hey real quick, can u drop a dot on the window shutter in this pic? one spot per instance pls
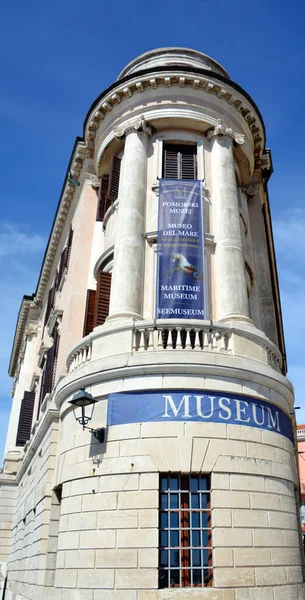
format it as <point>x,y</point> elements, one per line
<point>50,302</point>
<point>101,310</point>
<point>89,314</point>
<point>62,263</point>
<point>179,161</point>
<point>170,168</point>
<point>49,371</point>
<point>188,162</point>
<point>69,246</point>
<point>114,179</point>
<point>102,196</point>
<point>25,418</point>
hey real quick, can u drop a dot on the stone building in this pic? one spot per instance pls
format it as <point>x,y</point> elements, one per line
<point>189,477</point>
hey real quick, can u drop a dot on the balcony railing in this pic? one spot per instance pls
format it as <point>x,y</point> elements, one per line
<point>80,356</point>
<point>198,337</point>
<point>164,337</point>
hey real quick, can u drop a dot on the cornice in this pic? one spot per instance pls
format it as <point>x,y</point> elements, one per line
<point>70,184</point>
<point>224,90</point>
<point>26,304</point>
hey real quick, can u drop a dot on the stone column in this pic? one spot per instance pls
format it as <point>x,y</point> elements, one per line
<point>126,298</point>
<point>230,280</point>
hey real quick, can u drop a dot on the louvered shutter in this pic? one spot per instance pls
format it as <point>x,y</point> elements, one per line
<point>179,161</point>
<point>114,179</point>
<point>188,163</point>
<point>101,310</point>
<point>69,247</point>
<point>50,301</point>
<point>62,263</point>
<point>49,371</point>
<point>170,163</point>
<point>102,196</point>
<point>25,418</point>
<point>89,314</point>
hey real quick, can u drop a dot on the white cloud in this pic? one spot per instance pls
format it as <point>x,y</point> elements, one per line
<point>14,241</point>
<point>289,236</point>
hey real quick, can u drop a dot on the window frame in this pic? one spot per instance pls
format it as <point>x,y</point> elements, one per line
<point>178,496</point>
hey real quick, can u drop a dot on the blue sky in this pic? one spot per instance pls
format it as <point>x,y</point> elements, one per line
<point>57,57</point>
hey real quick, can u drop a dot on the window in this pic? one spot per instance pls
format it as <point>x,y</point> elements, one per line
<point>185,554</point>
<point>179,161</point>
<point>97,303</point>
<point>109,188</point>
<point>49,369</point>
<point>25,418</point>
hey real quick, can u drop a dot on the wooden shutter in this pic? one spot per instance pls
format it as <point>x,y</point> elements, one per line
<point>50,302</point>
<point>49,371</point>
<point>69,247</point>
<point>170,162</point>
<point>89,314</point>
<point>102,196</point>
<point>188,162</point>
<point>179,161</point>
<point>101,310</point>
<point>25,418</point>
<point>62,263</point>
<point>114,179</point>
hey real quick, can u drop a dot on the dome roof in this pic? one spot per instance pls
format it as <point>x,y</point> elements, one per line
<point>180,57</point>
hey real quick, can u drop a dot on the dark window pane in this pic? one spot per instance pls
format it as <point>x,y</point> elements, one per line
<point>174,578</point>
<point>205,538</point>
<point>163,579</point>
<point>207,576</point>
<point>203,483</point>
<point>196,558</point>
<point>174,519</point>
<point>206,555</point>
<point>195,538</point>
<point>174,500</point>
<point>204,500</point>
<point>164,485</point>
<point>194,484</point>
<point>164,558</point>
<point>197,576</point>
<point>204,519</point>
<point>164,539</point>
<point>195,500</point>
<point>164,501</point>
<point>195,519</point>
<point>174,483</point>
<point>174,538</point>
<point>164,520</point>
<point>174,558</point>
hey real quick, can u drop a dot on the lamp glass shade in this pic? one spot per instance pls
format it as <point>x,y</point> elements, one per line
<point>82,398</point>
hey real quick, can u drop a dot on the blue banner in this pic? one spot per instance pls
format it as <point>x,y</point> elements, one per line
<point>180,266</point>
<point>209,407</point>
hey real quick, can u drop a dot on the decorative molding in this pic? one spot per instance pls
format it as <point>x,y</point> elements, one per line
<point>95,182</point>
<point>204,84</point>
<point>155,188</point>
<point>249,190</point>
<point>221,130</point>
<point>55,320</point>
<point>138,125</point>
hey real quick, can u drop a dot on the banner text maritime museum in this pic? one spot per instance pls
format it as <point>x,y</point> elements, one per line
<point>150,450</point>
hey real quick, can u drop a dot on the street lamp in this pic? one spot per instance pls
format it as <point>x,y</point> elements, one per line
<point>80,401</point>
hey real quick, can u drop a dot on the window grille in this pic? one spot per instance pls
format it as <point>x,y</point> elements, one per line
<point>185,548</point>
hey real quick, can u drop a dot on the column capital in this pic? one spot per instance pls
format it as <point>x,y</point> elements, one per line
<point>221,130</point>
<point>139,125</point>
